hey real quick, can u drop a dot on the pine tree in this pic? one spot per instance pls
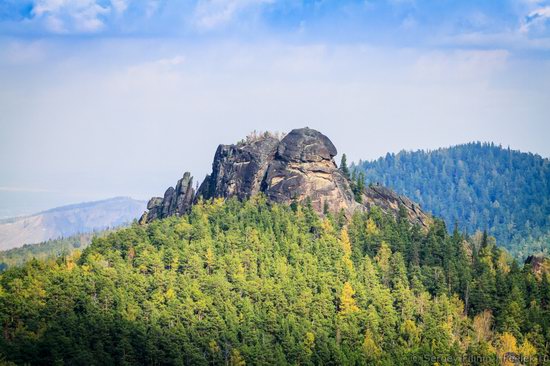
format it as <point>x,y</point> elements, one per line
<point>344,166</point>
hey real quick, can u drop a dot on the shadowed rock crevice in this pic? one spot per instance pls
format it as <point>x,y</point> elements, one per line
<point>300,166</point>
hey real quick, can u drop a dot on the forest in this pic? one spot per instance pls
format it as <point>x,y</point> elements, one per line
<point>478,186</point>
<point>48,249</point>
<point>254,282</point>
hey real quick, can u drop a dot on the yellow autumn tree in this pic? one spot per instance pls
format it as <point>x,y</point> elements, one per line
<point>170,294</point>
<point>236,358</point>
<point>410,332</point>
<point>528,353</point>
<point>347,302</point>
<point>346,247</point>
<point>214,347</point>
<point>383,260</point>
<point>482,325</point>
<point>503,261</point>
<point>309,343</point>
<point>327,227</point>
<point>210,259</point>
<point>372,229</point>
<point>507,347</point>
<point>370,348</point>
<point>345,242</point>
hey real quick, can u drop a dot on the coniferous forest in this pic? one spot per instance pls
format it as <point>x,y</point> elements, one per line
<point>478,186</point>
<point>256,282</point>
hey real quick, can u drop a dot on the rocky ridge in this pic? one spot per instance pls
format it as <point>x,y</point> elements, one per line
<point>297,167</point>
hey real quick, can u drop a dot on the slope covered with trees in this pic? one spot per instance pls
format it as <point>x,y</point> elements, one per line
<point>46,250</point>
<point>262,283</point>
<point>479,186</point>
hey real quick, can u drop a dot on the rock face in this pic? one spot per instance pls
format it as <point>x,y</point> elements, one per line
<point>300,166</point>
<point>239,170</point>
<point>303,167</point>
<point>389,201</point>
<point>176,201</point>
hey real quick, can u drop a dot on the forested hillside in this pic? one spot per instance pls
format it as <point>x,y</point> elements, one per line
<point>48,249</point>
<point>479,186</point>
<point>256,282</point>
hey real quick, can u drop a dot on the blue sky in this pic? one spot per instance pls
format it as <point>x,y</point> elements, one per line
<point>518,23</point>
<point>102,98</point>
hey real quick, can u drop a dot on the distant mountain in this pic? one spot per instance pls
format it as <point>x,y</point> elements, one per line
<point>477,185</point>
<point>69,220</point>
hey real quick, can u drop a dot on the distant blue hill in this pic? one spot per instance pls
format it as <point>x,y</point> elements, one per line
<point>69,220</point>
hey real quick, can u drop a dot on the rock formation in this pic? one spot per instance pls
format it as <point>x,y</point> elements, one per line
<point>239,170</point>
<point>303,167</point>
<point>389,201</point>
<point>300,166</point>
<point>176,202</point>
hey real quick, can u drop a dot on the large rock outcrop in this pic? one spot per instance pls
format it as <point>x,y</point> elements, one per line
<point>304,167</point>
<point>239,170</point>
<point>390,202</point>
<point>298,167</point>
<point>176,202</point>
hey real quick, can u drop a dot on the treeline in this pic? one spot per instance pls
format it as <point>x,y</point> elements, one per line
<point>479,186</point>
<point>254,282</point>
<point>48,249</point>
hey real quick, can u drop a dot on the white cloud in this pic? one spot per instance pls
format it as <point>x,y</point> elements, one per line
<point>174,61</point>
<point>536,19</point>
<point>211,14</point>
<point>67,16</point>
<point>120,6</point>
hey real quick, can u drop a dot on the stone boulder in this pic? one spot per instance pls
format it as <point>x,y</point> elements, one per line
<point>304,168</point>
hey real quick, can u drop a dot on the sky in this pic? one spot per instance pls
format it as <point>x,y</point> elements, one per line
<point>103,98</point>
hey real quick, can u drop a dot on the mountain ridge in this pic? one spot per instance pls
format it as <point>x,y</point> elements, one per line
<point>68,220</point>
<point>298,167</point>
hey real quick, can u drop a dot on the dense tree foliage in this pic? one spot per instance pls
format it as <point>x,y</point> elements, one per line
<point>479,186</point>
<point>259,283</point>
<point>48,249</point>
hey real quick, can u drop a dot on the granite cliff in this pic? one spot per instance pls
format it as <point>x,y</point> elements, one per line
<point>297,167</point>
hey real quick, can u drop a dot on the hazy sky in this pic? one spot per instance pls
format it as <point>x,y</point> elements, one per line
<point>100,98</point>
